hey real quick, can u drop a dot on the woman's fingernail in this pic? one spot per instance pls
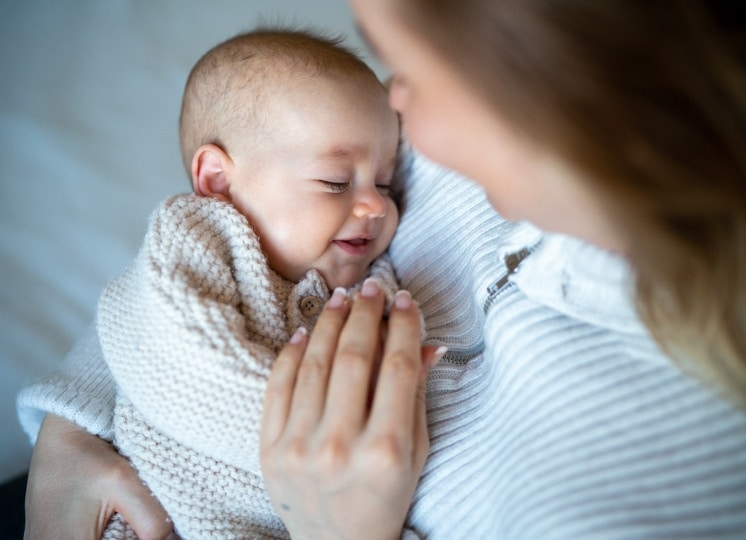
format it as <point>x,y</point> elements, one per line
<point>338,299</point>
<point>403,300</point>
<point>298,335</point>
<point>370,288</point>
<point>438,355</point>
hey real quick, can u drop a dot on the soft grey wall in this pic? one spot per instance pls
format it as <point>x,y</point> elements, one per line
<point>89,101</point>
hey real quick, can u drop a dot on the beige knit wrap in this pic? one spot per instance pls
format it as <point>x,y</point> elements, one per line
<point>190,331</point>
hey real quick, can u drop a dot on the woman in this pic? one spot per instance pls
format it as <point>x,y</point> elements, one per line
<point>555,414</point>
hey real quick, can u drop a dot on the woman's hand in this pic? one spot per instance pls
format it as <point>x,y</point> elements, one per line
<point>336,463</point>
<point>76,483</point>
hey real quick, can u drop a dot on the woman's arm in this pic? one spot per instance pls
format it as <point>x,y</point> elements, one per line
<point>338,462</point>
<point>77,481</point>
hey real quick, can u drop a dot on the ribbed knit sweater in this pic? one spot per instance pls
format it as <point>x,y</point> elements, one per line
<point>554,414</point>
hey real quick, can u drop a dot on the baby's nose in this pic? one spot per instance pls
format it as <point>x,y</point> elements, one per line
<point>369,203</point>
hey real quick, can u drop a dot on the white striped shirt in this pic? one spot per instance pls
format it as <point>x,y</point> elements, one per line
<point>554,414</point>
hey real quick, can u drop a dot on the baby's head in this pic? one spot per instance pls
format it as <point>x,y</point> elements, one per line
<point>296,132</point>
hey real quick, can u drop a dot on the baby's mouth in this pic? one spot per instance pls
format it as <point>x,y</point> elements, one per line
<point>357,241</point>
<point>354,246</point>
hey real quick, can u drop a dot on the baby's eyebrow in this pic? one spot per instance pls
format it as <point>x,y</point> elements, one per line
<point>343,151</point>
<point>338,152</point>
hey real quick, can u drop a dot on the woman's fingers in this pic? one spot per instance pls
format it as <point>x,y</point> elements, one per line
<point>431,355</point>
<point>400,379</point>
<point>329,378</point>
<point>350,379</point>
<point>310,394</point>
<point>280,387</point>
<point>325,453</point>
<point>134,501</point>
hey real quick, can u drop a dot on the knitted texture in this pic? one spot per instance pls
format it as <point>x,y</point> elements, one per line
<point>81,392</point>
<point>190,331</point>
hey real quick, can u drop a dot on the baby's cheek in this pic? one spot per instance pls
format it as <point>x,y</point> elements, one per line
<point>391,221</point>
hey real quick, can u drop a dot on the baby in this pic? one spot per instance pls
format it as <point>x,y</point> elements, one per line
<point>291,147</point>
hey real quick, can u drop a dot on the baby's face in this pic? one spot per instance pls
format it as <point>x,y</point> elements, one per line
<point>316,188</point>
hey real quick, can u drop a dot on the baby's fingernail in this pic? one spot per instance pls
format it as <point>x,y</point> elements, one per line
<point>438,355</point>
<point>298,335</point>
<point>339,297</point>
<point>370,288</point>
<point>403,300</point>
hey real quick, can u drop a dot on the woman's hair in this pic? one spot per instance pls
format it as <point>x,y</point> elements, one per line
<point>648,99</point>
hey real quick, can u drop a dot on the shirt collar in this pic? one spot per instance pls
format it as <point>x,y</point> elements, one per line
<point>581,281</point>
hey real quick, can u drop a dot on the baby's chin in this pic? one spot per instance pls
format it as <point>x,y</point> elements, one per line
<point>344,283</point>
<point>343,279</point>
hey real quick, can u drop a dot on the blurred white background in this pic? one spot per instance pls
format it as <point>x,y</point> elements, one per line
<point>89,104</point>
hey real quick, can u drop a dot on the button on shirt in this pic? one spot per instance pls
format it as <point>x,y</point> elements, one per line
<point>310,305</point>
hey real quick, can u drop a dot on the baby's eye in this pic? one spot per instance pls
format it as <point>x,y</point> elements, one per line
<point>335,187</point>
<point>383,189</point>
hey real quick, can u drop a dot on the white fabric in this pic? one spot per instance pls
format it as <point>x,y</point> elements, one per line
<point>570,423</point>
<point>553,415</point>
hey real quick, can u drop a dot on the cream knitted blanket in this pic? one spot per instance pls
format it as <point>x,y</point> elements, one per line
<point>190,331</point>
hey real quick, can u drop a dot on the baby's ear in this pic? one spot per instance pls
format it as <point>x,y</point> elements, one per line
<point>211,168</point>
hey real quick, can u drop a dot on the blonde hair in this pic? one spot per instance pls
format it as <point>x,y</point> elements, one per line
<point>649,99</point>
<point>227,88</point>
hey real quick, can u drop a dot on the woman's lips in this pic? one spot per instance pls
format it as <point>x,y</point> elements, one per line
<point>354,246</point>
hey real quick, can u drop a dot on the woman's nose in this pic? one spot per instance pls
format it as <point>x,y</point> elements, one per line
<point>369,203</point>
